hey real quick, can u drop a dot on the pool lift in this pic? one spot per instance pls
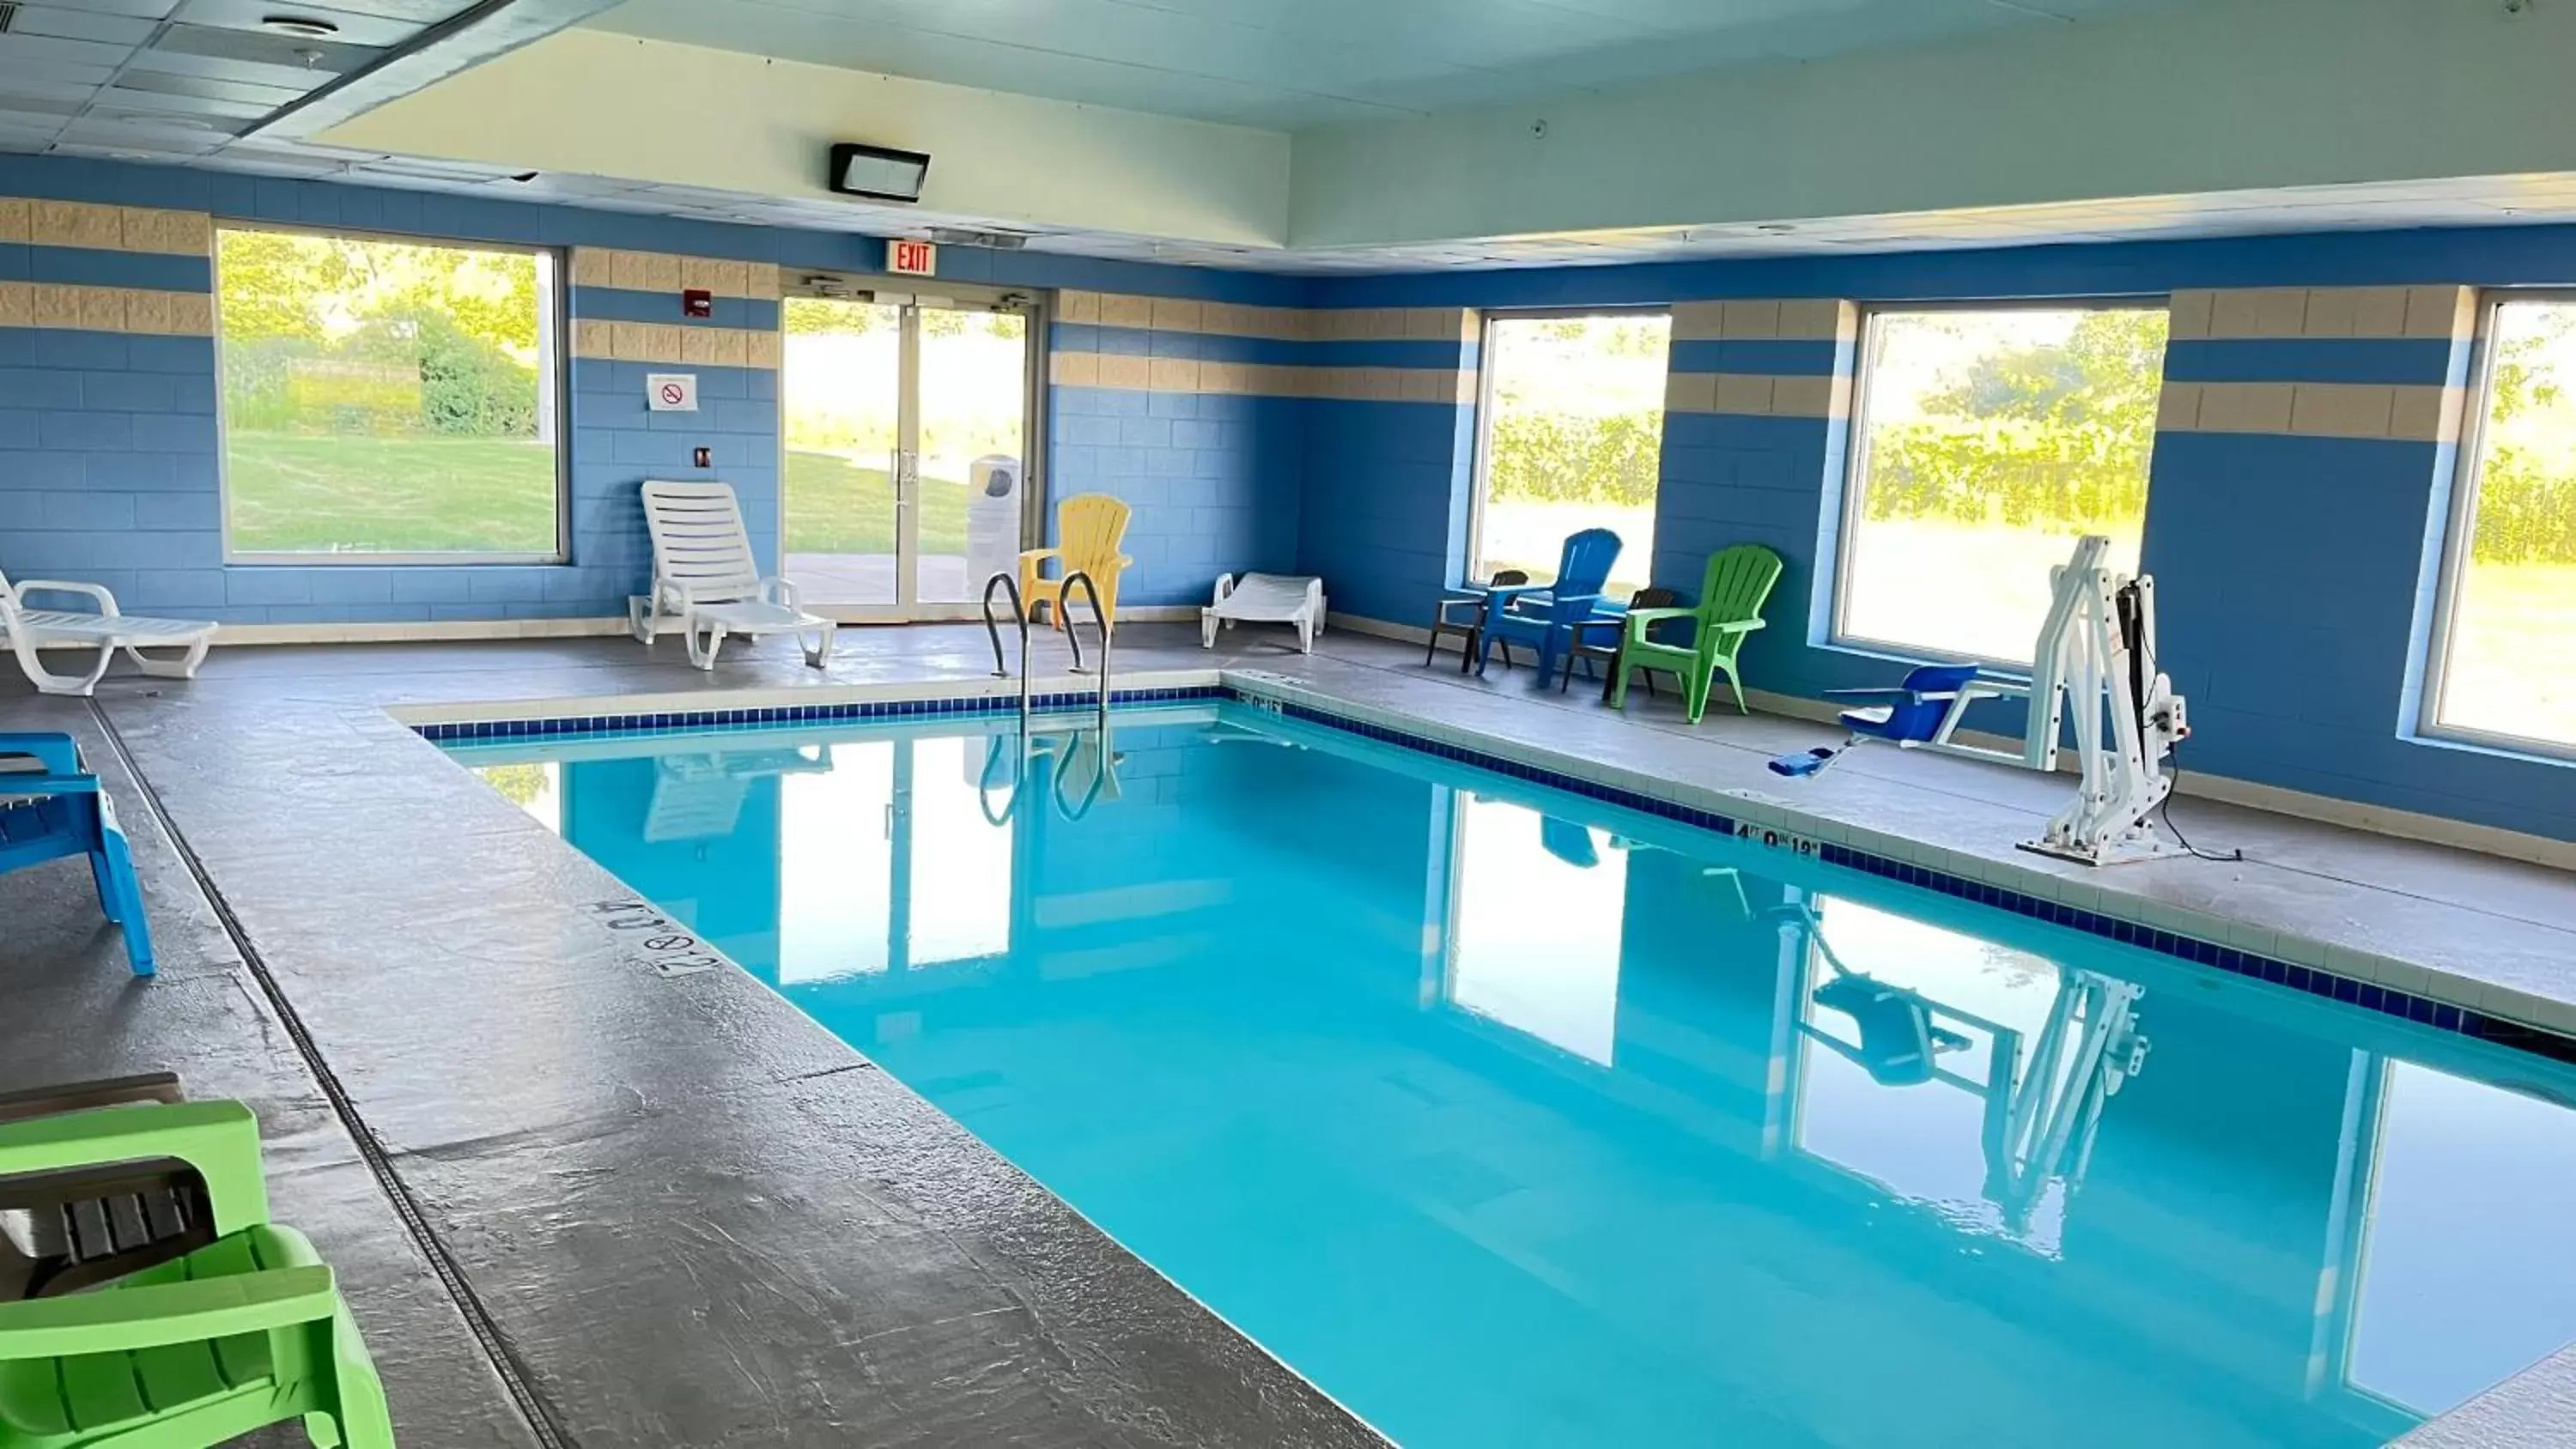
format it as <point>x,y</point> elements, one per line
<point>1084,764</point>
<point>2043,1102</point>
<point>2094,666</point>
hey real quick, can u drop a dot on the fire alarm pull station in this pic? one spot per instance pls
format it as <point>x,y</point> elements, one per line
<point>697,302</point>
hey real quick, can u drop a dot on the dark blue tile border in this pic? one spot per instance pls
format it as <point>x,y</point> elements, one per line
<point>2311,980</point>
<point>620,726</point>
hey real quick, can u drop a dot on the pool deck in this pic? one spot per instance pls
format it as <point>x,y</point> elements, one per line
<point>576,1203</point>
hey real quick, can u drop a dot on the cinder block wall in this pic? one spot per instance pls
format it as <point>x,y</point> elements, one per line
<point>2305,454</point>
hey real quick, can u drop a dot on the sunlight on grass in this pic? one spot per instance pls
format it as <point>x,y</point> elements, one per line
<point>840,507</point>
<point>296,494</point>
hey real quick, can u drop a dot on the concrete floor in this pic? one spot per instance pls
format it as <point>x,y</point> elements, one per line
<point>577,1203</point>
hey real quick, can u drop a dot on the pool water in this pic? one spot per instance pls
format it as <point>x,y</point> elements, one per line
<point>1510,1118</point>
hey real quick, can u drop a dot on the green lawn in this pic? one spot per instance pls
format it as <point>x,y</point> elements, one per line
<point>297,494</point>
<point>292,493</point>
<point>836,506</point>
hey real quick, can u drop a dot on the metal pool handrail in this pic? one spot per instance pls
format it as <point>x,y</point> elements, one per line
<point>993,627</point>
<point>1074,635</point>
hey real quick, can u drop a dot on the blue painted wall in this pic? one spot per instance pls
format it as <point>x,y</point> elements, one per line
<point>109,455</point>
<point>2294,572</point>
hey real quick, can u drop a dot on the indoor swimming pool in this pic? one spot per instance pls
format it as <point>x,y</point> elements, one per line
<point>1508,1117</point>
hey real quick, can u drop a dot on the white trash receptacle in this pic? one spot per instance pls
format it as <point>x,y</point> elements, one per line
<point>993,510</point>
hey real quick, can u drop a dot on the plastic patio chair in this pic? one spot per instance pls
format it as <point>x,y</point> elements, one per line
<point>1597,639</point>
<point>27,630</point>
<point>1731,595</point>
<point>1547,616</point>
<point>244,1332</point>
<point>1089,527</point>
<point>1447,617</point>
<point>706,576</point>
<point>58,809</point>
<point>75,1228</point>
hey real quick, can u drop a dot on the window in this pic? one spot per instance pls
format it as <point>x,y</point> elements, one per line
<point>1572,434</point>
<point>2506,666</point>
<point>1988,440</point>
<point>389,400</point>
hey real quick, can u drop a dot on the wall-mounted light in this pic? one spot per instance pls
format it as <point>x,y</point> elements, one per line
<point>880,172</point>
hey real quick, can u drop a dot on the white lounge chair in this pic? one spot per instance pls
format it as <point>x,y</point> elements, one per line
<point>29,630</point>
<point>704,575</point>
<point>1266,599</point>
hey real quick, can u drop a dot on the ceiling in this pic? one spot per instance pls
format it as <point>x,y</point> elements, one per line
<point>1289,64</point>
<point>187,79</point>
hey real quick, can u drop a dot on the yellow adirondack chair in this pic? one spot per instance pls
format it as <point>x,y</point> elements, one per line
<point>1088,528</point>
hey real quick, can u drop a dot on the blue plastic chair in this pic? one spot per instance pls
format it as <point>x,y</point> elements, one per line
<point>59,810</point>
<point>1545,616</point>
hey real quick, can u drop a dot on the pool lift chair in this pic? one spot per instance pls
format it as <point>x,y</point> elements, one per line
<point>2043,1101</point>
<point>2094,667</point>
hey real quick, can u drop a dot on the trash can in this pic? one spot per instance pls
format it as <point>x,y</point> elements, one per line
<point>994,507</point>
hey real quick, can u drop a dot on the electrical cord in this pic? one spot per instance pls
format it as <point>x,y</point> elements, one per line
<point>2165,808</point>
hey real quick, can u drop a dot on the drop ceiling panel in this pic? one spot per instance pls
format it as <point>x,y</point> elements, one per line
<point>61,23</point>
<point>1294,63</point>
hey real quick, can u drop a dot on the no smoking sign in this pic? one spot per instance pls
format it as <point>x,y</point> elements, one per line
<point>671,392</point>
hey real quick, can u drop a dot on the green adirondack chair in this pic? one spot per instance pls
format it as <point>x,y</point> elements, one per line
<point>1731,596</point>
<point>244,1332</point>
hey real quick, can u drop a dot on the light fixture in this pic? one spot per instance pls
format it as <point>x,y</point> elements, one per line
<point>880,172</point>
<point>302,27</point>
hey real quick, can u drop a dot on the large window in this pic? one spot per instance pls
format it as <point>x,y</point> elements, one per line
<point>1573,433</point>
<point>388,400</point>
<point>1988,440</point>
<point>2507,665</point>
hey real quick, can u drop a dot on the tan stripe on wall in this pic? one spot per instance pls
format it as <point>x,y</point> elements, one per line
<point>1283,324</point>
<point>666,272</point>
<point>2415,414</point>
<point>1181,375</point>
<point>137,310</point>
<point>603,340</point>
<point>105,228</point>
<point>2435,311</point>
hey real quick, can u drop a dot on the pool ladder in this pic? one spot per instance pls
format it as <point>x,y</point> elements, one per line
<point>1069,809</point>
<point>1072,634</point>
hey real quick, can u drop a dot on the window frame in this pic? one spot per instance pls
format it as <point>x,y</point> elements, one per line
<point>2459,533</point>
<point>1478,478</point>
<point>1856,452</point>
<point>555,316</point>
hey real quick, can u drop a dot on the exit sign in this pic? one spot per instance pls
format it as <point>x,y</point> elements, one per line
<point>912,258</point>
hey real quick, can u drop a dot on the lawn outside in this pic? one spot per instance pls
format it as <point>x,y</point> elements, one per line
<point>295,493</point>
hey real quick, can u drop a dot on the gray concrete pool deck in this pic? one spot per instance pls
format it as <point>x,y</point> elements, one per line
<point>577,1203</point>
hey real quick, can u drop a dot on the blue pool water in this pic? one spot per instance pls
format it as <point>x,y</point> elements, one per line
<point>1510,1118</point>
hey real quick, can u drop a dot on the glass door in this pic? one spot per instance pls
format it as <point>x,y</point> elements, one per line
<point>906,449</point>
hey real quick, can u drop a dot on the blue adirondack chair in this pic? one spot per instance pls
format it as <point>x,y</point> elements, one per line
<point>58,810</point>
<point>1545,616</point>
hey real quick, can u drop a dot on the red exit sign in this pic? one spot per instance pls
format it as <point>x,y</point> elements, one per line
<point>912,258</point>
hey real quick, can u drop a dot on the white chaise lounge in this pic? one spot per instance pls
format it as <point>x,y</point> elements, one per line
<point>704,575</point>
<point>29,630</point>
<point>1265,599</point>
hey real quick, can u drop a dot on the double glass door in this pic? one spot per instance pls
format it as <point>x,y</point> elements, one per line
<point>907,449</point>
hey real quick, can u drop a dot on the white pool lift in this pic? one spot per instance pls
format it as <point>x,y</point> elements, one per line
<point>2094,667</point>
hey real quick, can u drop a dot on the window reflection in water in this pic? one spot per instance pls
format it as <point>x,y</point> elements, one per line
<point>1537,910</point>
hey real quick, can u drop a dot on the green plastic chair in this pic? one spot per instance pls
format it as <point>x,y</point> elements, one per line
<point>1738,583</point>
<point>244,1332</point>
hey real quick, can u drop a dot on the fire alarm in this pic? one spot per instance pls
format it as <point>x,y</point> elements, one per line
<point>697,302</point>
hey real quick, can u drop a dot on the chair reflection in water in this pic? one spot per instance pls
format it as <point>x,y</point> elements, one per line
<point>700,796</point>
<point>2043,1094</point>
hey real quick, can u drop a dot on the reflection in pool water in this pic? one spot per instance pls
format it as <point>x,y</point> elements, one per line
<point>1513,1120</point>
